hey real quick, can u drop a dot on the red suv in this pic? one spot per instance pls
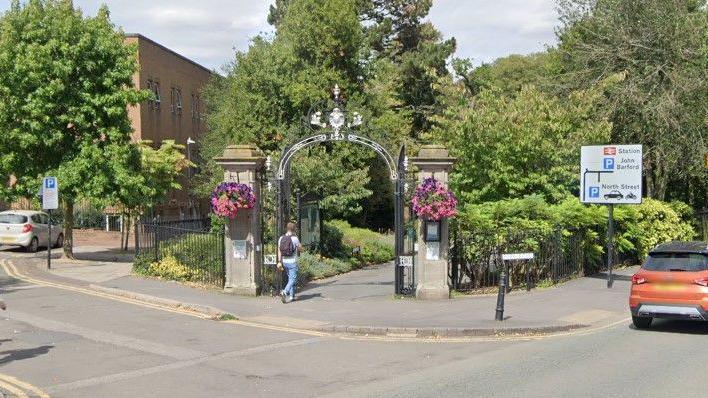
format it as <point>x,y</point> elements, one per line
<point>672,283</point>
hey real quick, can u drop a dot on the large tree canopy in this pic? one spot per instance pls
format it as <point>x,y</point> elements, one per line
<point>318,44</point>
<point>64,91</point>
<point>662,47</point>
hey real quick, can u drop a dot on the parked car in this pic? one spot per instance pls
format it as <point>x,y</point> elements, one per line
<point>614,195</point>
<point>672,283</point>
<point>28,229</point>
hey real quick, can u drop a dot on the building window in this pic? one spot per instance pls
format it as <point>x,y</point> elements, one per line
<point>151,101</point>
<point>176,101</point>
<point>195,107</point>
<point>156,90</point>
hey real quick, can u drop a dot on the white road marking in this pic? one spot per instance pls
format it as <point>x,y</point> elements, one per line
<point>116,377</point>
<point>109,337</point>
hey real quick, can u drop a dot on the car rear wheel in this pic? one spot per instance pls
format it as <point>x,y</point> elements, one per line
<point>60,242</point>
<point>33,246</point>
<point>641,322</point>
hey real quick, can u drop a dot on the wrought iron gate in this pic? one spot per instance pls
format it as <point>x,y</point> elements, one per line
<point>338,125</point>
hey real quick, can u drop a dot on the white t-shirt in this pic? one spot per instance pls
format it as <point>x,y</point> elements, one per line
<point>296,243</point>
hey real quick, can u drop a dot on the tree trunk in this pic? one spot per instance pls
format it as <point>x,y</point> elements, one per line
<point>126,226</point>
<point>68,209</point>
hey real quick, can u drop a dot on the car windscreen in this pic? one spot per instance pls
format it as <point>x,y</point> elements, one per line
<point>690,262</point>
<point>12,219</point>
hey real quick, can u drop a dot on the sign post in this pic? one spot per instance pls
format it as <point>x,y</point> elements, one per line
<point>504,280</point>
<point>610,175</point>
<point>50,201</point>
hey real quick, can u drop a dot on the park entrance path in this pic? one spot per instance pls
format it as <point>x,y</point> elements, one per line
<point>374,282</point>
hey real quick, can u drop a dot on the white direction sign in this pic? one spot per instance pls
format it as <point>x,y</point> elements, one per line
<point>517,256</point>
<point>611,174</point>
<point>50,193</point>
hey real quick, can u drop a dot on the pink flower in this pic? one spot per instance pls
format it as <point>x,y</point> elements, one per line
<point>229,197</point>
<point>433,201</point>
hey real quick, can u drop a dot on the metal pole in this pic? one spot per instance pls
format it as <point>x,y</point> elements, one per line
<point>49,242</point>
<point>398,221</point>
<point>528,276</point>
<point>610,244</point>
<point>499,316</point>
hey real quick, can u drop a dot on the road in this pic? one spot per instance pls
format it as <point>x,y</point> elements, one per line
<point>66,343</point>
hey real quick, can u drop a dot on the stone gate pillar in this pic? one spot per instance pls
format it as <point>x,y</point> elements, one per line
<point>431,259</point>
<point>243,164</point>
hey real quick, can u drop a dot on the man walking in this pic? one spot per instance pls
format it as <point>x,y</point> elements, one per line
<point>288,248</point>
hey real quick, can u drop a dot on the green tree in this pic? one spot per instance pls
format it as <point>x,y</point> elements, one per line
<point>510,146</point>
<point>149,174</point>
<point>397,31</point>
<point>65,86</point>
<point>662,46</point>
<point>509,74</point>
<point>271,87</point>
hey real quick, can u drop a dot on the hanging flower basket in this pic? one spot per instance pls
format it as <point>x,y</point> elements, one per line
<point>229,197</point>
<point>432,201</point>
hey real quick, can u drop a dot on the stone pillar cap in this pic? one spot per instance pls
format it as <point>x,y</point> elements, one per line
<point>240,152</point>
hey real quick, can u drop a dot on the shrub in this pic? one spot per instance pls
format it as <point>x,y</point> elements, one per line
<point>190,257</point>
<point>170,268</point>
<point>314,267</point>
<point>653,222</point>
<point>374,248</point>
<point>638,227</point>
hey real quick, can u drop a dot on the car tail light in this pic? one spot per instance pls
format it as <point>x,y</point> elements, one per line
<point>701,281</point>
<point>27,228</point>
<point>638,279</point>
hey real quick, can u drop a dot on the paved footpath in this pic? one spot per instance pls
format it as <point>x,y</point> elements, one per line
<point>361,302</point>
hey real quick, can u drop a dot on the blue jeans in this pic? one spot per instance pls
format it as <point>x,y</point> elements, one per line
<point>291,269</point>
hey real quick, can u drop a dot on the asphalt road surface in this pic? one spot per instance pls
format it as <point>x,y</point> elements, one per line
<point>64,343</point>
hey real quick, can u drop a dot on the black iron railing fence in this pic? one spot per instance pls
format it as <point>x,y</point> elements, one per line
<point>476,258</point>
<point>188,250</point>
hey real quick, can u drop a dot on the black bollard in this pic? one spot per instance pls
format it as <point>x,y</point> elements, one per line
<point>500,296</point>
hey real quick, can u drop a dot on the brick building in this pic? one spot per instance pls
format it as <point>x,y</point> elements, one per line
<point>176,113</point>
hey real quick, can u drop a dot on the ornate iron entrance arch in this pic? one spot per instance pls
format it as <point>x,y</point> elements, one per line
<point>340,125</point>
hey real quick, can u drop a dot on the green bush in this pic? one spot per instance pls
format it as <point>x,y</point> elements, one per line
<point>190,257</point>
<point>644,226</point>
<point>639,227</point>
<point>170,268</point>
<point>312,266</point>
<point>373,248</point>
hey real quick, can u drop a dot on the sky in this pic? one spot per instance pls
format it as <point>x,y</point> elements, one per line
<point>209,31</point>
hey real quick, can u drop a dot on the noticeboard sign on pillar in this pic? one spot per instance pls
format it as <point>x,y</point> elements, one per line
<point>611,174</point>
<point>50,193</point>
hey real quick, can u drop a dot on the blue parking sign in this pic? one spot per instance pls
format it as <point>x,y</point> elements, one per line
<point>608,163</point>
<point>50,183</point>
<point>594,192</point>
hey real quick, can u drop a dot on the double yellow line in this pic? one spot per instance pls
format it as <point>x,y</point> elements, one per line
<point>12,271</point>
<point>20,389</point>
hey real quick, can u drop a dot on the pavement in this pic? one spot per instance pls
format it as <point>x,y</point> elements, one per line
<point>357,303</point>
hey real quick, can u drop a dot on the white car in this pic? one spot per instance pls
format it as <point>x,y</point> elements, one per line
<point>28,229</point>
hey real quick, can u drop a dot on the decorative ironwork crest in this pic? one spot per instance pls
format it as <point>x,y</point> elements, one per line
<point>337,124</point>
